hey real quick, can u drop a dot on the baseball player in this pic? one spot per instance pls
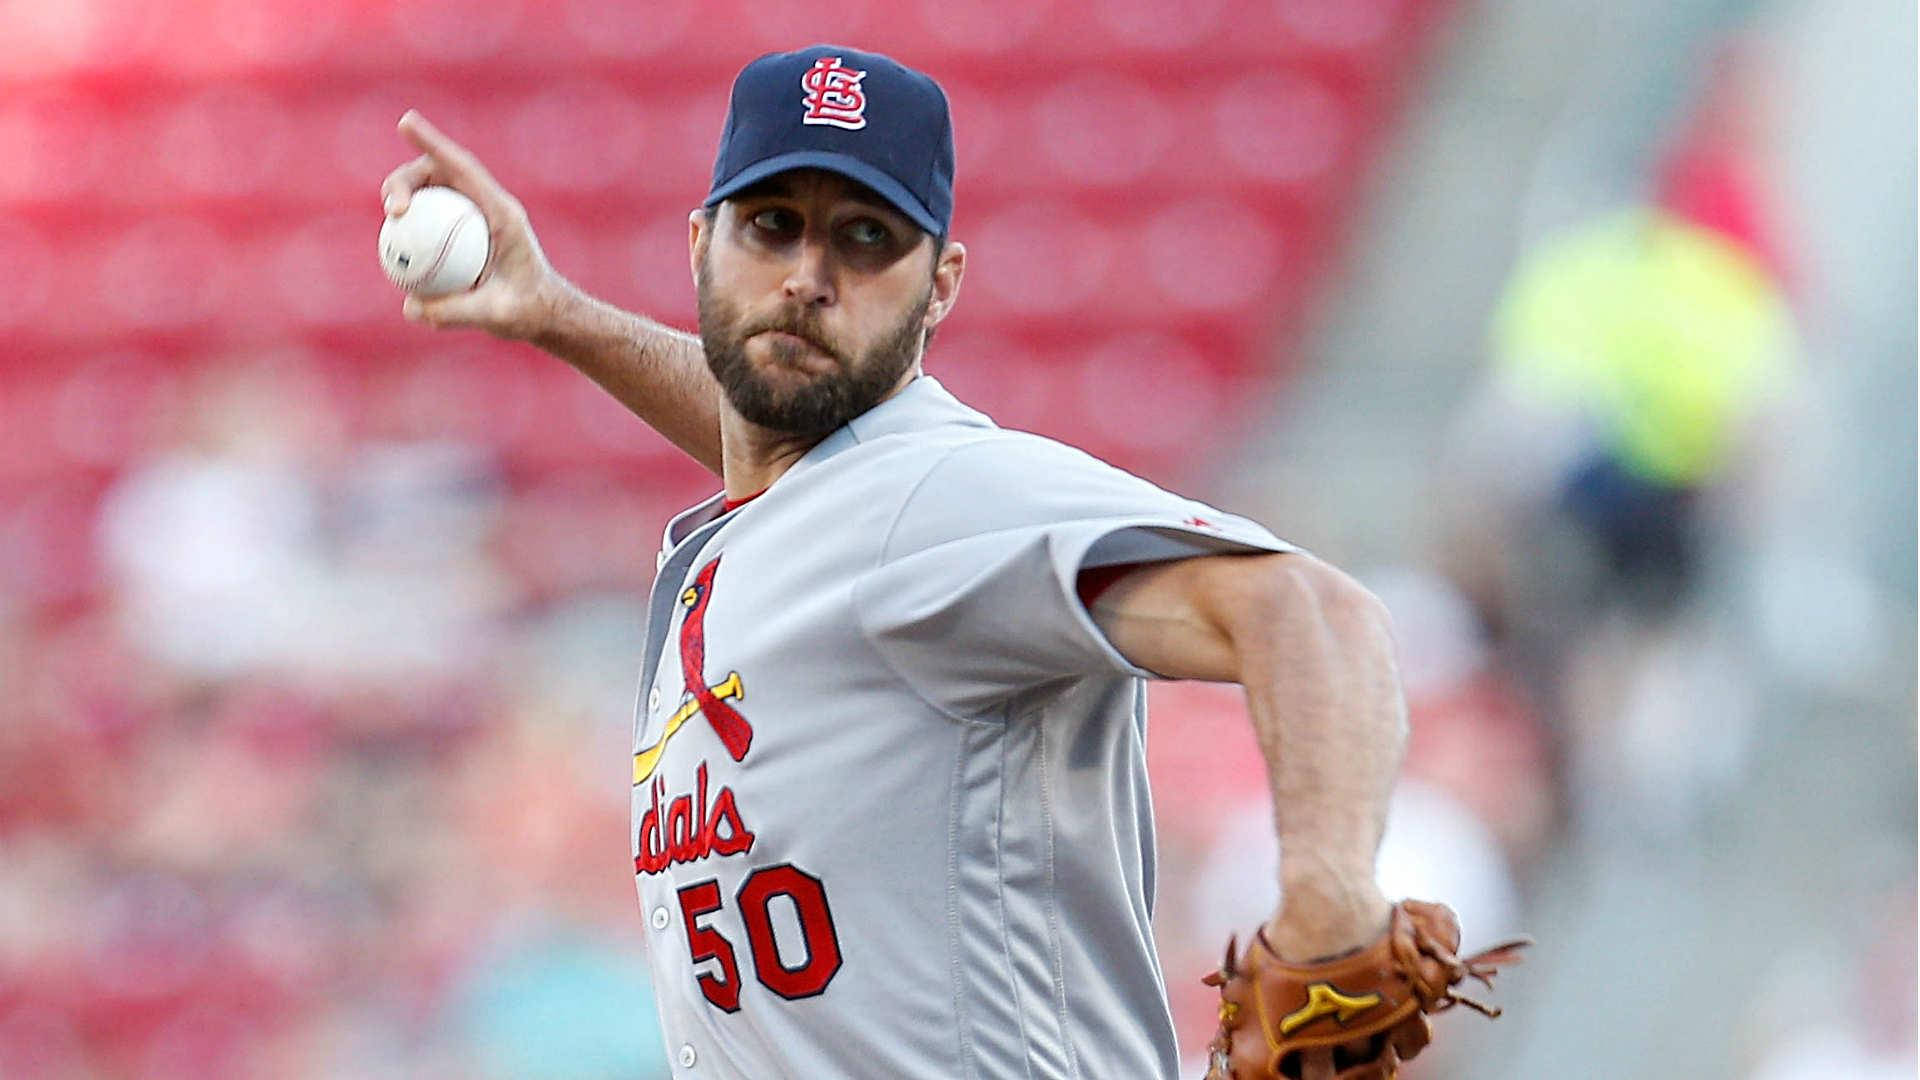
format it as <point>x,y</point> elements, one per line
<point>890,807</point>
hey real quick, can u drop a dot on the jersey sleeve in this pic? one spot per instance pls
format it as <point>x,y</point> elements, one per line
<point>974,600</point>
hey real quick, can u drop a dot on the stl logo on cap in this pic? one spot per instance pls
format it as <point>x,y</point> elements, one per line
<point>834,95</point>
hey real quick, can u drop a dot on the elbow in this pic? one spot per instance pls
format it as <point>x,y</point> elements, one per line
<point>1304,588</point>
<point>1338,632</point>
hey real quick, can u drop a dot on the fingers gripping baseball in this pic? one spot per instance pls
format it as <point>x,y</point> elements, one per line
<point>509,296</point>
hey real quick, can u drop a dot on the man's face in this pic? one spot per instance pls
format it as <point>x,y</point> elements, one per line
<point>814,295</point>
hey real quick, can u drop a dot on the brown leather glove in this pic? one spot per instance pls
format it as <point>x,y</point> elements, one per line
<point>1352,1017</point>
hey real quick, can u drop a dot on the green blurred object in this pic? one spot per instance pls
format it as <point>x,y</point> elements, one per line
<point>1666,336</point>
<point>561,1007</point>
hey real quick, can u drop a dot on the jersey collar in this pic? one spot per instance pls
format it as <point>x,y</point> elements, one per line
<point>920,405</point>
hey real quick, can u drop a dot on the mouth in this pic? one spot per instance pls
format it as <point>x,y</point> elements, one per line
<point>792,350</point>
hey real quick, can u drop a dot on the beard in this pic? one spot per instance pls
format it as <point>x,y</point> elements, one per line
<point>823,402</point>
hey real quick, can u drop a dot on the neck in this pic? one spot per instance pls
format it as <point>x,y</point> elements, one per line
<point>753,457</point>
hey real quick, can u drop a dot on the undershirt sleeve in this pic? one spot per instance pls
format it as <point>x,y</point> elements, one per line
<point>1096,580</point>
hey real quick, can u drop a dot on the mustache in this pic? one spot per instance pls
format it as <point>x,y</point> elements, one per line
<point>798,324</point>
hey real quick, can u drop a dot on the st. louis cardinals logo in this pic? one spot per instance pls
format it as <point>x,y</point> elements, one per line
<point>689,827</point>
<point>834,95</point>
<point>709,701</point>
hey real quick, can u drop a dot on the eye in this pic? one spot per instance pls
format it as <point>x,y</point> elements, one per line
<point>775,219</point>
<point>868,232</point>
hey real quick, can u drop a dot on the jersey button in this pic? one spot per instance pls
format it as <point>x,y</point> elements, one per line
<point>687,1056</point>
<point>653,700</point>
<point>659,918</point>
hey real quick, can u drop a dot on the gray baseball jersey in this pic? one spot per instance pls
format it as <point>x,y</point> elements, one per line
<point>889,793</point>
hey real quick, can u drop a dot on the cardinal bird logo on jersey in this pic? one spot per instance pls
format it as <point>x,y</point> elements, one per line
<point>735,733</point>
<point>688,827</point>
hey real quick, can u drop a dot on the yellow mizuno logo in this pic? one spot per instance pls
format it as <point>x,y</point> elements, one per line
<point>1324,1000</point>
<point>647,760</point>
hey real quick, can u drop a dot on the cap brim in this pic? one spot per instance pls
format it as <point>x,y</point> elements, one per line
<point>850,167</point>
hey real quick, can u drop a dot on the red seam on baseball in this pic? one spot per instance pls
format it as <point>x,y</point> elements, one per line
<point>445,247</point>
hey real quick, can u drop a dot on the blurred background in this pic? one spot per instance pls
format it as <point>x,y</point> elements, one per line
<point>1583,332</point>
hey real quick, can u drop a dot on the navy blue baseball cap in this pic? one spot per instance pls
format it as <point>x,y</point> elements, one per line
<point>859,114</point>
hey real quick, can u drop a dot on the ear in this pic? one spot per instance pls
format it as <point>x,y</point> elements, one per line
<point>699,233</point>
<point>947,272</point>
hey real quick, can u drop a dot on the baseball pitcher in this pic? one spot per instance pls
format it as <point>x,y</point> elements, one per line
<point>890,807</point>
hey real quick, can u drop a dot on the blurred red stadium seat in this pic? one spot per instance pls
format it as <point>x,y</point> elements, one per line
<point>1349,26</point>
<point>606,429</point>
<point>1045,258</point>
<point>28,255</point>
<point>1178,414</point>
<point>109,408</point>
<point>228,141</point>
<point>167,272</point>
<point>630,32</point>
<point>1281,127</point>
<point>322,272</point>
<point>54,147</point>
<point>647,262</point>
<point>443,31</point>
<point>270,34</point>
<point>773,27</point>
<point>1153,26</point>
<point>1101,129</point>
<point>981,26</point>
<point>982,136</point>
<point>39,1040</point>
<point>677,165</point>
<point>1209,254</point>
<point>577,135</point>
<point>473,392</point>
<point>48,40</point>
<point>46,541</point>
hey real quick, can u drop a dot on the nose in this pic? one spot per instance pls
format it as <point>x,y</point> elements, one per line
<point>810,276</point>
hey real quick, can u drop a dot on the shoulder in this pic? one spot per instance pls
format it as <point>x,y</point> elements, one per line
<point>1037,474</point>
<point>926,434</point>
<point>999,481</point>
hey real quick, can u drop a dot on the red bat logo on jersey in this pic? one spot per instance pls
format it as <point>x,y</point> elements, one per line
<point>834,95</point>
<point>735,733</point>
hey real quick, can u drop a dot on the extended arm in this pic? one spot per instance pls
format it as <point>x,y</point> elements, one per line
<point>656,371</point>
<point>1313,651</point>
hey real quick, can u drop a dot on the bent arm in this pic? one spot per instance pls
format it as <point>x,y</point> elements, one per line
<point>1314,652</point>
<point>659,373</point>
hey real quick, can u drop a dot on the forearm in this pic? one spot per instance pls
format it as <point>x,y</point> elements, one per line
<point>1315,655</point>
<point>1316,659</point>
<point>657,372</point>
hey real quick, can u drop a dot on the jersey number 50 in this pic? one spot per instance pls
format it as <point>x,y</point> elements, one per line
<point>755,901</point>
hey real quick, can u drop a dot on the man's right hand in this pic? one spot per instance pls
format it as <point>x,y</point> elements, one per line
<point>518,289</point>
<point>657,372</point>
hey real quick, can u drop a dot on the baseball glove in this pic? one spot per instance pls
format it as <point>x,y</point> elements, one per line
<point>1353,1017</point>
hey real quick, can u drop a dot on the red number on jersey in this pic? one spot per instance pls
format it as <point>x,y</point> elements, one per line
<point>809,897</point>
<point>703,898</point>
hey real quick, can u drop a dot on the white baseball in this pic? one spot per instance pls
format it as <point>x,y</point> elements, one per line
<point>438,246</point>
